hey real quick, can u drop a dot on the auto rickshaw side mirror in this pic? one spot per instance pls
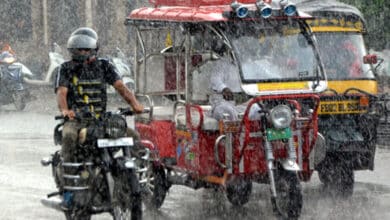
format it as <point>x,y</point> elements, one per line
<point>370,59</point>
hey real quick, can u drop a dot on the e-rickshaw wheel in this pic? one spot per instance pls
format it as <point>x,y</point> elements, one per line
<point>157,189</point>
<point>337,177</point>
<point>238,191</point>
<point>288,202</point>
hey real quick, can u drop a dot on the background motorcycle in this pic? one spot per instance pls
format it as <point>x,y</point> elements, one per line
<point>103,178</point>
<point>124,67</point>
<point>12,88</point>
<point>57,58</point>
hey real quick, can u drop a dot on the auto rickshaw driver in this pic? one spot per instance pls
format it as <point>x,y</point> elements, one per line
<point>226,96</point>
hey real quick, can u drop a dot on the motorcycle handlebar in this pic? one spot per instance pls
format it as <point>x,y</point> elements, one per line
<point>127,111</point>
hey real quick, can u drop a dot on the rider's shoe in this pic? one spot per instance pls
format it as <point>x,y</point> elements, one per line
<point>67,199</point>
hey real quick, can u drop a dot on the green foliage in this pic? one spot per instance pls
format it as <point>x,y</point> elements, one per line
<point>377,15</point>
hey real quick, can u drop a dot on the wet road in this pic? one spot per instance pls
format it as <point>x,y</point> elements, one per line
<point>26,137</point>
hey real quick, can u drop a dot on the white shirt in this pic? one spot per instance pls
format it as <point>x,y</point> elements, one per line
<point>223,73</point>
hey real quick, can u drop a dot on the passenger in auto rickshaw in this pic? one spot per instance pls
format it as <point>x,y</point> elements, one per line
<point>346,64</point>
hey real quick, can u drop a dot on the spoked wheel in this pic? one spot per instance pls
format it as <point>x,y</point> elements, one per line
<point>155,188</point>
<point>288,202</point>
<point>238,191</point>
<point>19,101</point>
<point>127,198</point>
<point>337,177</point>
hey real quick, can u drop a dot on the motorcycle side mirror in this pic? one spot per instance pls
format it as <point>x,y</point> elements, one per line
<point>370,59</point>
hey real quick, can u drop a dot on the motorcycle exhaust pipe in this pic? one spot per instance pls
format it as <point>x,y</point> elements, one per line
<point>54,203</point>
<point>46,161</point>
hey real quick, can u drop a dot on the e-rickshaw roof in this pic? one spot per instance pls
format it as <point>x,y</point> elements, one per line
<point>326,8</point>
<point>191,11</point>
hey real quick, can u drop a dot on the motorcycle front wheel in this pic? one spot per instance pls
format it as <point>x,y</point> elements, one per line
<point>127,197</point>
<point>73,215</point>
<point>156,188</point>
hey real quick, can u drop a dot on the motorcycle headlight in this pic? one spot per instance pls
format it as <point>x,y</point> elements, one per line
<point>115,126</point>
<point>281,116</point>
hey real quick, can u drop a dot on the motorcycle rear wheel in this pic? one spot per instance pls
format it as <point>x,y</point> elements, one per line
<point>127,197</point>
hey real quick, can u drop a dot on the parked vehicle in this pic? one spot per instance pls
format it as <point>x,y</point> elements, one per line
<point>56,58</point>
<point>104,177</point>
<point>125,68</point>
<point>350,108</point>
<point>12,87</point>
<point>279,146</point>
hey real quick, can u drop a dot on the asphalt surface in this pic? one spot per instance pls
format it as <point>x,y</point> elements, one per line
<point>26,137</point>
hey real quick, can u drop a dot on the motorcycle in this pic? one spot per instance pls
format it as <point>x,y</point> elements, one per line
<point>12,87</point>
<point>124,67</point>
<point>104,176</point>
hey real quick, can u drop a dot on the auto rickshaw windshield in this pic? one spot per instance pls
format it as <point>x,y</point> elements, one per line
<point>342,54</point>
<point>275,54</point>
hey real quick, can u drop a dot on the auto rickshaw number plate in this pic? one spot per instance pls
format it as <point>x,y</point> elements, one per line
<point>341,107</point>
<point>278,134</point>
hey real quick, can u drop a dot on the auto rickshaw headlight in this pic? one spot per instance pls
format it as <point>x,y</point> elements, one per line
<point>240,10</point>
<point>281,116</point>
<point>264,9</point>
<point>289,8</point>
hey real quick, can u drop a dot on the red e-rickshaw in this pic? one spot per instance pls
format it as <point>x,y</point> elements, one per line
<point>277,144</point>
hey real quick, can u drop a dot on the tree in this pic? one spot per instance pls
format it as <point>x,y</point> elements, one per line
<point>377,15</point>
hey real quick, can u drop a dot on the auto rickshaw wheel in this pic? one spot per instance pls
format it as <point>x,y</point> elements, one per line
<point>337,177</point>
<point>288,202</point>
<point>156,189</point>
<point>238,191</point>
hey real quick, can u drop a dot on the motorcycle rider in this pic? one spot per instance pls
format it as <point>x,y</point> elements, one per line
<point>81,84</point>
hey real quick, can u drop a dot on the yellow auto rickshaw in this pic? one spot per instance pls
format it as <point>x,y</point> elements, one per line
<point>350,109</point>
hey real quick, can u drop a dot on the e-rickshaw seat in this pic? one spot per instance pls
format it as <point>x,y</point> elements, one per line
<point>167,113</point>
<point>209,123</point>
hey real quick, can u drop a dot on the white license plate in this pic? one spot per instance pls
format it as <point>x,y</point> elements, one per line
<point>125,141</point>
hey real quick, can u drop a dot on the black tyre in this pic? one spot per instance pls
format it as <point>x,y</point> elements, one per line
<point>288,202</point>
<point>155,189</point>
<point>127,197</point>
<point>337,177</point>
<point>238,191</point>
<point>75,215</point>
<point>19,101</point>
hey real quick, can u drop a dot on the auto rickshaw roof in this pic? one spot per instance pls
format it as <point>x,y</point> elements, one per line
<point>195,3</point>
<point>194,11</point>
<point>323,8</point>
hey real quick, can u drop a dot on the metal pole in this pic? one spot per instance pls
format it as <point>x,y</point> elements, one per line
<point>88,13</point>
<point>45,24</point>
